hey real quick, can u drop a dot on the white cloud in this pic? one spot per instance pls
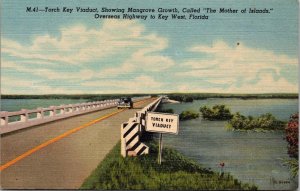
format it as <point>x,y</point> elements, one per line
<point>47,73</point>
<point>144,58</point>
<point>19,85</point>
<point>226,69</point>
<point>241,68</point>
<point>142,83</point>
<point>15,82</point>
<point>78,46</point>
<point>267,84</point>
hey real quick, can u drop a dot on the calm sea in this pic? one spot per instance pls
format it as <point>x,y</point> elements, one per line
<point>18,104</point>
<point>253,157</point>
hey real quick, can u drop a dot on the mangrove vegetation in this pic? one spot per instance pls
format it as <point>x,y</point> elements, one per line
<point>238,121</point>
<point>217,112</point>
<point>265,122</point>
<point>189,97</point>
<point>187,115</point>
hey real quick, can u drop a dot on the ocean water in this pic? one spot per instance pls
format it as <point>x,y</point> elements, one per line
<point>252,157</point>
<point>18,104</point>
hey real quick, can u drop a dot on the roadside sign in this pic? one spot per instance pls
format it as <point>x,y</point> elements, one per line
<point>162,122</point>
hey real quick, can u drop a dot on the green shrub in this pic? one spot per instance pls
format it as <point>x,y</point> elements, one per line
<point>217,112</point>
<point>182,98</point>
<point>186,115</point>
<point>293,165</point>
<point>188,99</point>
<point>265,121</point>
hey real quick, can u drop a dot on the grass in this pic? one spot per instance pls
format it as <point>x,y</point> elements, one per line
<point>293,164</point>
<point>143,173</point>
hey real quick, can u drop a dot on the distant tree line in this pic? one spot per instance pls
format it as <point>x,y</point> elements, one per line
<point>199,96</point>
<point>185,115</point>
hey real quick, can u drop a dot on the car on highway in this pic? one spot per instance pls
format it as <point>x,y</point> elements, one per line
<point>125,102</point>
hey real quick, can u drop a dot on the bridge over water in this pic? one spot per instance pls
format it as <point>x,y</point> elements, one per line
<point>61,153</point>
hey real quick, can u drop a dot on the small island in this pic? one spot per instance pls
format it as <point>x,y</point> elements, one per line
<point>265,122</point>
<point>186,115</point>
<point>217,112</point>
<point>238,121</point>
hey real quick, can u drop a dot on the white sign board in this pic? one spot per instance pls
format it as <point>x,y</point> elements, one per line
<point>162,122</point>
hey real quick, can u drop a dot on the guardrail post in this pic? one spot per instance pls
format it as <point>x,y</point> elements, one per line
<point>4,118</point>
<point>62,110</point>
<point>24,115</point>
<point>132,131</point>
<point>40,113</point>
<point>52,111</point>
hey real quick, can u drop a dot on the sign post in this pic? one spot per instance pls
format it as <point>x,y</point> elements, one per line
<point>160,148</point>
<point>162,123</point>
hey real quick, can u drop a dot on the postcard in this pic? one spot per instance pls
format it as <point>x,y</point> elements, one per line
<point>149,95</point>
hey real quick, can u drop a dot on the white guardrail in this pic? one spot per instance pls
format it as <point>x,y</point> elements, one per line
<point>133,129</point>
<point>27,118</point>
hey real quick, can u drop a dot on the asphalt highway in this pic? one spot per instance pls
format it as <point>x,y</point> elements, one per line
<point>61,154</point>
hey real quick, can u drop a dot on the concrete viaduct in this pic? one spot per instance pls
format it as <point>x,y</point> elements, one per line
<point>58,147</point>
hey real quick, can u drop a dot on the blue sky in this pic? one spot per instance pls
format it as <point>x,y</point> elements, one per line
<point>45,53</point>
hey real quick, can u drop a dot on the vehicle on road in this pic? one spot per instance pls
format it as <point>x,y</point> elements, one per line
<point>125,103</point>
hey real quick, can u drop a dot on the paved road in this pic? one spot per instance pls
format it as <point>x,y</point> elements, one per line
<point>65,161</point>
